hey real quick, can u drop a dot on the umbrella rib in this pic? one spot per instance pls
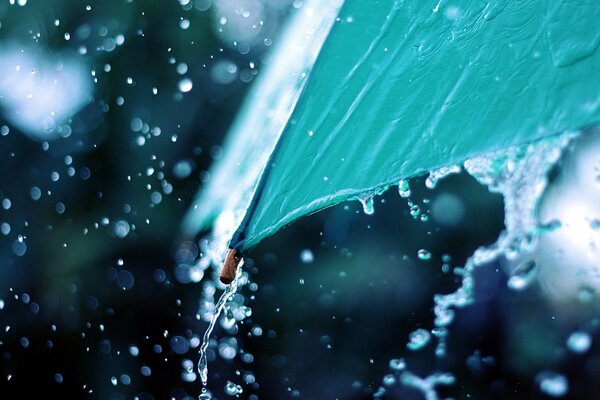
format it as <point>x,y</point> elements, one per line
<point>236,244</point>
<point>239,237</point>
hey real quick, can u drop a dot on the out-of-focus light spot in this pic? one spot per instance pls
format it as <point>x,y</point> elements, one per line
<point>40,91</point>
<point>185,85</point>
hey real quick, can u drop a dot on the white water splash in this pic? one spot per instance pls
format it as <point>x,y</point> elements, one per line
<point>519,174</point>
<point>436,175</point>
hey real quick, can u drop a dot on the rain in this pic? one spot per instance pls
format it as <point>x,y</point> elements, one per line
<point>299,199</point>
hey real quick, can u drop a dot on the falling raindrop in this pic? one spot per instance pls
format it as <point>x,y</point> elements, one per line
<point>553,384</point>
<point>125,279</point>
<point>185,85</point>
<point>182,169</point>
<point>423,254</point>
<point>121,228</point>
<point>397,364</point>
<point>418,339</point>
<point>179,345</point>
<point>415,210</point>
<point>228,348</point>
<point>134,351</point>
<point>306,256</point>
<point>224,72</point>
<point>523,275</point>
<point>579,342</point>
<point>389,380</point>
<point>232,389</point>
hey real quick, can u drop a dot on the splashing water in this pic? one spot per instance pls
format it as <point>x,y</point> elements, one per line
<point>418,339</point>
<point>436,175</point>
<point>427,385</point>
<point>519,174</point>
<point>229,291</point>
<point>523,275</point>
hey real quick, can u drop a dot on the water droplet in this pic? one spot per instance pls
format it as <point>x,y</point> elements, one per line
<point>182,68</point>
<point>389,380</point>
<point>19,247</point>
<point>403,188</point>
<point>185,85</point>
<point>553,384</point>
<point>179,345</point>
<point>125,379</point>
<point>134,351</point>
<point>182,169</point>
<point>367,203</point>
<point>184,24</point>
<point>523,275</point>
<point>579,342</point>
<point>5,228</point>
<point>379,393</point>
<point>232,389</point>
<point>423,254</point>
<point>307,256</point>
<point>121,228</point>
<point>125,279</point>
<point>397,364</point>
<point>224,72</point>
<point>418,339</point>
<point>586,294</point>
<point>228,348</point>
<point>415,210</point>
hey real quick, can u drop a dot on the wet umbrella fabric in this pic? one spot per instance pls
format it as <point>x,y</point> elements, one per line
<point>400,88</point>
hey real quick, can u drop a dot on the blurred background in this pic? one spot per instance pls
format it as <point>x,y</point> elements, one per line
<point>111,113</point>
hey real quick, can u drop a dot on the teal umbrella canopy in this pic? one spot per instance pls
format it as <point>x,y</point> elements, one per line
<point>386,90</point>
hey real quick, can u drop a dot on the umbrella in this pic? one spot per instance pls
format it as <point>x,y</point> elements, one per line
<point>361,95</point>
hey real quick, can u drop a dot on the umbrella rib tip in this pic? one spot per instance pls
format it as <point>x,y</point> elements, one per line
<point>230,266</point>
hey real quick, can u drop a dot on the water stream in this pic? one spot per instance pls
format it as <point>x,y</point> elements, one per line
<point>216,312</point>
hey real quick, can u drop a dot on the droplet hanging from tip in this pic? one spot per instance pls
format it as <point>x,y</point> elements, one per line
<point>367,203</point>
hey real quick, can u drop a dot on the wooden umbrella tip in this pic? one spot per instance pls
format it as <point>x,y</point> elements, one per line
<point>229,270</point>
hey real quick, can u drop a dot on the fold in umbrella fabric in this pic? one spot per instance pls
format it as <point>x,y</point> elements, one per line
<point>400,88</point>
